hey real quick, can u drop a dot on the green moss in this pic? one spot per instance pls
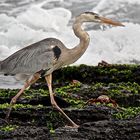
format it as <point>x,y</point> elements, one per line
<point>67,89</point>
<point>29,93</point>
<point>8,128</point>
<point>115,89</point>
<point>7,92</point>
<point>53,119</point>
<point>128,113</point>
<point>18,106</point>
<point>124,89</point>
<point>97,86</point>
<point>89,74</point>
<point>52,131</point>
<point>3,106</point>
<point>68,93</point>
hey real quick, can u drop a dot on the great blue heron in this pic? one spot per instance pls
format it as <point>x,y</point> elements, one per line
<point>43,57</point>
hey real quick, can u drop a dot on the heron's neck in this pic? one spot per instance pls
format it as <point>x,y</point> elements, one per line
<point>83,36</point>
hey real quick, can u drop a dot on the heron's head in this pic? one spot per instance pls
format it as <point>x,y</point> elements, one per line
<point>93,17</point>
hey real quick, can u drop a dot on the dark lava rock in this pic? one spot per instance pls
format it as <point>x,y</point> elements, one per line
<point>44,100</point>
<point>26,133</point>
<point>102,130</point>
<point>95,123</point>
<point>110,130</point>
<point>40,116</point>
<point>90,113</point>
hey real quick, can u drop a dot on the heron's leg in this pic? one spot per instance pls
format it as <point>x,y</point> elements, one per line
<point>53,102</point>
<point>29,82</point>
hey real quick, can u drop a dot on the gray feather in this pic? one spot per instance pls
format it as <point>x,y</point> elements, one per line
<point>32,58</point>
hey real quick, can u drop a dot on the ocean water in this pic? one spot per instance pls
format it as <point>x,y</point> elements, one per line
<point>25,22</point>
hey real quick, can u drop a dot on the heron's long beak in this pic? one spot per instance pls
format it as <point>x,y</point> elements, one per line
<point>110,21</point>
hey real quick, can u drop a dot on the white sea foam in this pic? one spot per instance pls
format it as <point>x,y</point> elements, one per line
<point>114,45</point>
<point>31,26</point>
<point>106,6</point>
<point>47,20</point>
<point>10,82</point>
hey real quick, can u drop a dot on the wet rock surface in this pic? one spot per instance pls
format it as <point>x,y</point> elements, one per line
<point>34,118</point>
<point>95,122</point>
<point>26,133</point>
<point>103,130</point>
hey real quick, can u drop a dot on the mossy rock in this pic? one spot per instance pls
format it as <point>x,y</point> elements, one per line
<point>105,74</point>
<point>119,82</point>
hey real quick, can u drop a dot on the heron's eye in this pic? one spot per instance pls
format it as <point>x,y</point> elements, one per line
<point>96,17</point>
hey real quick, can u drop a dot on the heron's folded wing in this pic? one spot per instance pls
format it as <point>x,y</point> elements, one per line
<point>29,60</point>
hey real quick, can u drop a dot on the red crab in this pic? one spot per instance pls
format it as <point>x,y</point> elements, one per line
<point>104,63</point>
<point>103,99</point>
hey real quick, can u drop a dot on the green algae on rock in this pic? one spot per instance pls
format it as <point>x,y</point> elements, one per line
<point>119,82</point>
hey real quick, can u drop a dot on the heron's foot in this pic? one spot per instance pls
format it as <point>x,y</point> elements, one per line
<point>72,126</point>
<point>67,129</point>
